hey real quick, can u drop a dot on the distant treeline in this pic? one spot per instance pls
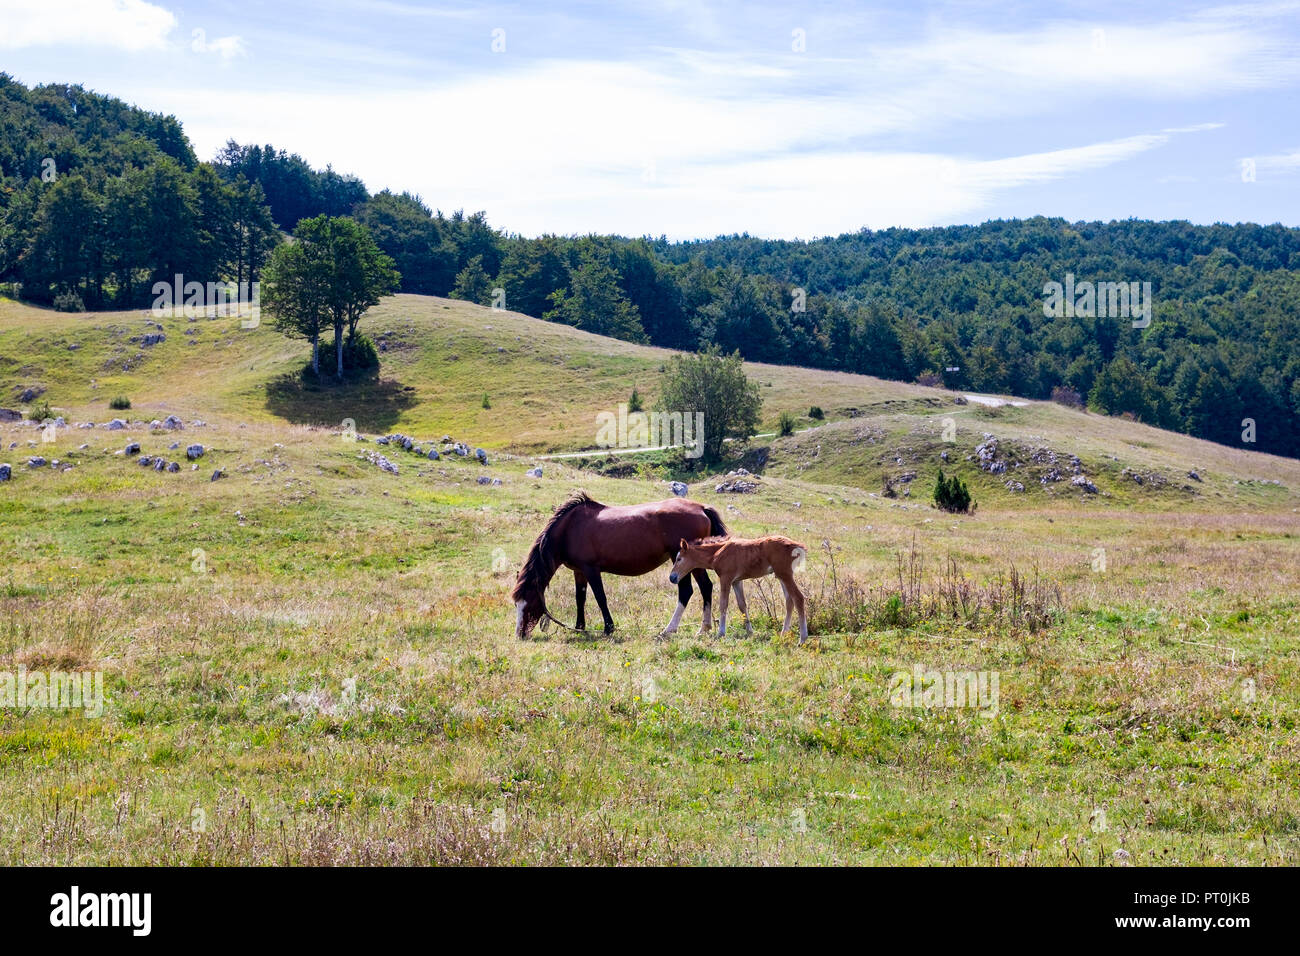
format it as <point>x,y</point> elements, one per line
<point>128,204</point>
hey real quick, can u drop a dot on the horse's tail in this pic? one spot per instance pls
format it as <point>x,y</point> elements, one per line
<point>716,527</point>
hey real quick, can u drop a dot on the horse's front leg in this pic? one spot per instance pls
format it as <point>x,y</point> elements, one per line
<point>598,589</point>
<point>683,598</point>
<point>580,596</point>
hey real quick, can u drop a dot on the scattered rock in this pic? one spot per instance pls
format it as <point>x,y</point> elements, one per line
<point>380,462</point>
<point>679,488</point>
<point>173,466</point>
<point>146,461</point>
<point>1081,481</point>
<point>1015,486</point>
<point>31,394</point>
<point>5,472</point>
<point>736,486</point>
<point>132,448</point>
<point>172,422</point>
<point>481,455</point>
<point>1194,476</point>
<point>534,472</point>
<point>36,461</point>
<point>433,454</point>
<point>194,452</point>
<point>218,473</point>
<point>115,425</point>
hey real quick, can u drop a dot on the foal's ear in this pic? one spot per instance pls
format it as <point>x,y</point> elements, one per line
<point>683,545</point>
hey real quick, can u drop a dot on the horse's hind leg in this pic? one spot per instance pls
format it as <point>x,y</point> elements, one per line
<point>706,595</point>
<point>738,589</point>
<point>683,598</point>
<point>598,589</point>
<point>580,596</point>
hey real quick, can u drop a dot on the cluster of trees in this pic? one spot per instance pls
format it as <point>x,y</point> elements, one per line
<point>963,307</point>
<point>327,278</point>
<point>98,200</point>
<point>292,189</point>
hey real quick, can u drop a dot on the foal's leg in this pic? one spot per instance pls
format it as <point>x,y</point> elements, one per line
<point>683,598</point>
<point>706,595</point>
<point>724,585</point>
<point>797,596</point>
<point>789,607</point>
<point>580,596</point>
<point>598,589</point>
<point>738,589</point>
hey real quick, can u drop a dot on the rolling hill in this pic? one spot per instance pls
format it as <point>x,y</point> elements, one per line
<point>547,382</point>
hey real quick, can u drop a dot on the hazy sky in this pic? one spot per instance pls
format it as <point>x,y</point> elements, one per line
<point>692,118</point>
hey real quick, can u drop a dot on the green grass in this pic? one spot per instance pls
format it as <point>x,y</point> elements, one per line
<point>333,678</point>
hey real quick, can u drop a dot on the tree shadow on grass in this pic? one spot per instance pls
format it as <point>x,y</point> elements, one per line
<point>373,403</point>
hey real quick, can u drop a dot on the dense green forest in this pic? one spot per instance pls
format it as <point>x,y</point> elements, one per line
<point>98,200</point>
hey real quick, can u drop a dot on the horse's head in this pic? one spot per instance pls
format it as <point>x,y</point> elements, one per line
<point>687,560</point>
<point>530,605</point>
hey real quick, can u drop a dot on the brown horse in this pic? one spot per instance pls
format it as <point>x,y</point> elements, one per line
<point>590,538</point>
<point>739,559</point>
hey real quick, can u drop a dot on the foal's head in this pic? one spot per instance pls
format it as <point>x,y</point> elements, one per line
<point>689,557</point>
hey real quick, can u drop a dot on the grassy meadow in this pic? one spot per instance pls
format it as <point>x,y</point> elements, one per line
<point>312,661</point>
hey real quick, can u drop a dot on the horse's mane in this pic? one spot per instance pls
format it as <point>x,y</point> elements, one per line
<point>712,539</point>
<point>539,567</point>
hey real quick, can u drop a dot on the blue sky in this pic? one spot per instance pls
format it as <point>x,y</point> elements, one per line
<point>693,119</point>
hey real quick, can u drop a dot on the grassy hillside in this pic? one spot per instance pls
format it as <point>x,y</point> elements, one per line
<point>312,660</point>
<point>546,383</point>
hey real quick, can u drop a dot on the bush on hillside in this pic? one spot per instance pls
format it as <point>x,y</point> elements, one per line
<point>951,494</point>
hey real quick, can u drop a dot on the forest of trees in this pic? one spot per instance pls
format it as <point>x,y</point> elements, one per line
<point>129,203</point>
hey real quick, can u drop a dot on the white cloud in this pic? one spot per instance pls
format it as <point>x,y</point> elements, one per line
<point>225,47</point>
<point>131,25</point>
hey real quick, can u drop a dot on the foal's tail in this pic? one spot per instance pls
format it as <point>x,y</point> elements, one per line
<point>797,555</point>
<point>716,527</point>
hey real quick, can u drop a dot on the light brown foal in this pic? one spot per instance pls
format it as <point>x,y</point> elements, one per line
<point>738,559</point>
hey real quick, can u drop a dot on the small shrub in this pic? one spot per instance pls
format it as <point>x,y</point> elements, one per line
<point>119,402</point>
<point>359,355</point>
<point>41,412</point>
<point>634,404</point>
<point>786,424</point>
<point>951,494</point>
<point>486,402</point>
<point>931,379</point>
<point>816,413</point>
<point>68,302</point>
<point>1067,396</point>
